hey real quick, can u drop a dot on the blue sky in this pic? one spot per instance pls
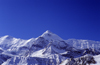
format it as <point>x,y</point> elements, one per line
<point>79,19</point>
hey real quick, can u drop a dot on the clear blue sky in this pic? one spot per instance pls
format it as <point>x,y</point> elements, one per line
<point>79,19</point>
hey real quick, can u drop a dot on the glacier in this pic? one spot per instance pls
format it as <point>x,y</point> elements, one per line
<point>48,49</point>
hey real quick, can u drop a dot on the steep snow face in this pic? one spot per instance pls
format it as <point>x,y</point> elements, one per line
<point>83,44</point>
<point>38,44</point>
<point>41,42</point>
<point>56,47</point>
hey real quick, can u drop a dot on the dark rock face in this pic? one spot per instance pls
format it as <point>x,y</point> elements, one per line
<point>81,61</point>
<point>78,53</point>
<point>91,51</point>
<point>3,58</point>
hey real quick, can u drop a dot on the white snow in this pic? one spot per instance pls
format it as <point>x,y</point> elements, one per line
<point>64,62</point>
<point>97,59</point>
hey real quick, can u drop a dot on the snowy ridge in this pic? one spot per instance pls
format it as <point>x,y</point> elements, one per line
<point>83,44</point>
<point>47,49</point>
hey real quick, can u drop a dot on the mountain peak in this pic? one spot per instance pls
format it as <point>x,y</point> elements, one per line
<point>47,31</point>
<point>48,35</point>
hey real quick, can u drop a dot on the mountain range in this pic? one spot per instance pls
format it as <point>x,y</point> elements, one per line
<point>48,49</point>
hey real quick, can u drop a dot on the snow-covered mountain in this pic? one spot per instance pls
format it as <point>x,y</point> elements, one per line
<point>47,49</point>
